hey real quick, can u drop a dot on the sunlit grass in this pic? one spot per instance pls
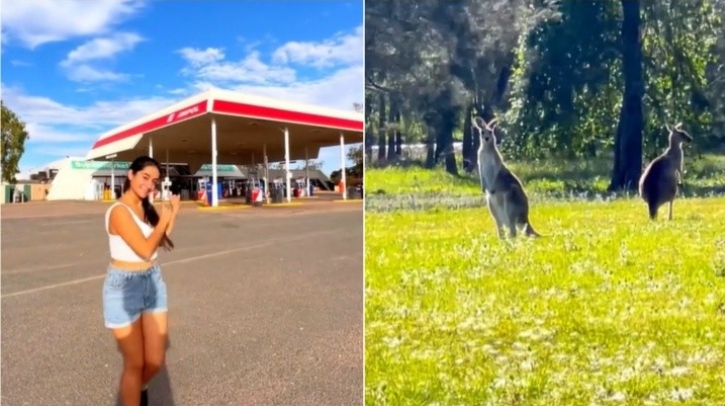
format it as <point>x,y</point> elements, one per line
<point>608,308</point>
<point>703,177</point>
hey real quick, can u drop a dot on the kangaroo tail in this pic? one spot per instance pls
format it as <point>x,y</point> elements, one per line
<point>529,230</point>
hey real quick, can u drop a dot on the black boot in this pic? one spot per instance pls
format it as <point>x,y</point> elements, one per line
<point>145,397</point>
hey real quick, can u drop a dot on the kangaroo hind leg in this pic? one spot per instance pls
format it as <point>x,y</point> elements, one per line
<point>495,210</point>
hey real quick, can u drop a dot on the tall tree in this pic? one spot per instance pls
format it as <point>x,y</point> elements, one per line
<point>355,154</point>
<point>14,136</point>
<point>553,71</point>
<point>628,141</point>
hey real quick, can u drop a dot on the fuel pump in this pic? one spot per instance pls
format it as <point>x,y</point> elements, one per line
<point>265,189</point>
<point>277,190</point>
<point>299,187</point>
<point>231,186</point>
<point>99,190</point>
<point>166,189</point>
<point>251,184</point>
<point>201,193</point>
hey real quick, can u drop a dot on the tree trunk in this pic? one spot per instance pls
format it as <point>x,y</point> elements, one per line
<point>398,135</point>
<point>445,122</point>
<point>628,142</point>
<point>468,150</point>
<point>381,128</point>
<point>430,118</point>
<point>448,124</point>
<point>369,137</point>
<point>393,112</point>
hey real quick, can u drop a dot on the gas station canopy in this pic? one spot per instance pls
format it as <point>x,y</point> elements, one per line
<point>241,128</point>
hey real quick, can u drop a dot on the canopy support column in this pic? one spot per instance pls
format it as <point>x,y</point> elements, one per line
<point>151,154</point>
<point>342,167</point>
<point>113,179</point>
<point>112,157</point>
<point>166,184</point>
<point>214,187</point>
<point>288,175</point>
<point>307,172</point>
<point>266,173</point>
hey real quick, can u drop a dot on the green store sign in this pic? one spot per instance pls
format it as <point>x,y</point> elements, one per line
<point>99,165</point>
<point>219,168</point>
<point>123,166</point>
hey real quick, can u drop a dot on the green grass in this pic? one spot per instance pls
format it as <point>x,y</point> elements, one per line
<point>704,176</point>
<point>608,308</point>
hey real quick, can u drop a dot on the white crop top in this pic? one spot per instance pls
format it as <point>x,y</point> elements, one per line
<point>118,247</point>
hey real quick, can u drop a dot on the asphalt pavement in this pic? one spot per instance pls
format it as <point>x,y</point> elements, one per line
<point>265,307</point>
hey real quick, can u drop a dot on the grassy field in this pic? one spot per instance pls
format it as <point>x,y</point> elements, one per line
<point>608,308</point>
<point>704,177</point>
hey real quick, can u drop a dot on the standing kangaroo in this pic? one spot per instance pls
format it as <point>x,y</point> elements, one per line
<point>505,195</point>
<point>663,176</point>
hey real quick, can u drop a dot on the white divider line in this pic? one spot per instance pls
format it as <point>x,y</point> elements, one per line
<point>178,261</point>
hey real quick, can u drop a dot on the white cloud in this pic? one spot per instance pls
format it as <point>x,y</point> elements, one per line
<point>43,111</point>
<point>103,48</point>
<point>179,91</point>
<point>16,62</point>
<point>57,152</point>
<point>77,63</point>
<point>341,49</point>
<point>56,130</point>
<point>206,65</point>
<point>201,57</point>
<point>87,73</point>
<point>40,133</point>
<point>337,89</point>
<point>33,23</point>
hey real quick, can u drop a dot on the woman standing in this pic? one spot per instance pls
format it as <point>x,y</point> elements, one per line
<point>134,292</point>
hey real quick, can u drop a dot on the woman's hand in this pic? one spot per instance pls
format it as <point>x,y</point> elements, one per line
<point>175,201</point>
<point>167,211</point>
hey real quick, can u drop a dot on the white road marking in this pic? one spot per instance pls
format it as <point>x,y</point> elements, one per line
<point>7,272</point>
<point>63,223</point>
<point>178,261</point>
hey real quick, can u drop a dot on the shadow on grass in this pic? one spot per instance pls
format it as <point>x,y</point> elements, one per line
<point>579,180</point>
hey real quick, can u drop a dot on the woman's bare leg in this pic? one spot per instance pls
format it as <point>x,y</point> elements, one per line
<point>155,333</point>
<point>131,343</point>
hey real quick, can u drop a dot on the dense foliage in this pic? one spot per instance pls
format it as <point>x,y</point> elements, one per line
<point>568,79</point>
<point>14,136</point>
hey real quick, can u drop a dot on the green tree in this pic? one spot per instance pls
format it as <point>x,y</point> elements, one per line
<point>13,143</point>
<point>355,154</point>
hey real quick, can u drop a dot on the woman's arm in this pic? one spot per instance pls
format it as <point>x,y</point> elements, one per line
<point>175,206</point>
<point>123,224</point>
<point>170,227</point>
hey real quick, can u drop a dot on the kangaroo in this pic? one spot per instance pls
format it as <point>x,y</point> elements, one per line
<point>505,195</point>
<point>662,178</point>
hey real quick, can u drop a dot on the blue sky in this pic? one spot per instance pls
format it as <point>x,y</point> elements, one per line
<point>75,69</point>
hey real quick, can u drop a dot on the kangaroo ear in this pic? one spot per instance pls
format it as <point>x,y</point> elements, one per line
<point>493,123</point>
<point>478,122</point>
<point>669,129</point>
<point>678,125</point>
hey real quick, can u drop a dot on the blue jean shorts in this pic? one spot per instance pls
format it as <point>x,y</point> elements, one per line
<point>128,294</point>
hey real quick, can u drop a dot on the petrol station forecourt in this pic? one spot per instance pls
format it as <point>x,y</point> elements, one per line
<point>223,127</point>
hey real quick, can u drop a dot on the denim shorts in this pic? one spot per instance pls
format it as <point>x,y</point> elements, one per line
<point>127,294</point>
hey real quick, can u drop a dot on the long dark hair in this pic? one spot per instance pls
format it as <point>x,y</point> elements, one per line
<point>149,211</point>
